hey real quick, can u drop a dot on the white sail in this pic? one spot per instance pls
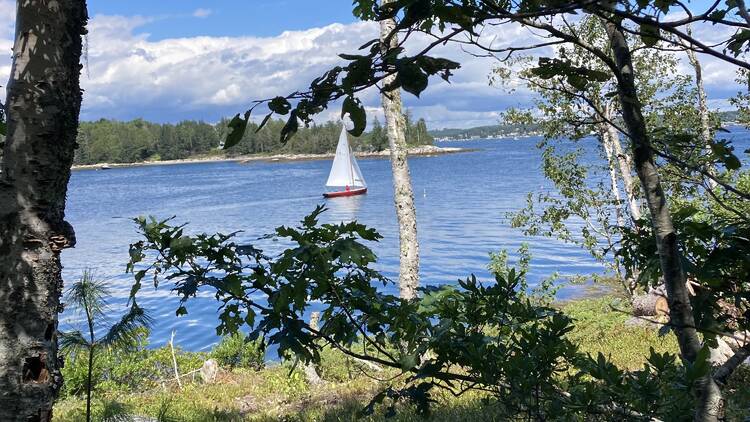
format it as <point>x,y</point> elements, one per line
<point>345,170</point>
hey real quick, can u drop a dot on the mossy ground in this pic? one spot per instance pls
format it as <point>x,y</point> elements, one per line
<point>281,393</point>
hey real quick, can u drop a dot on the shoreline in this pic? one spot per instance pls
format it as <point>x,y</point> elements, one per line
<point>421,151</point>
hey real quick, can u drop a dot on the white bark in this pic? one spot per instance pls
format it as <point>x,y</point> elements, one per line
<point>608,151</point>
<point>402,188</point>
<point>43,105</point>
<point>626,167</point>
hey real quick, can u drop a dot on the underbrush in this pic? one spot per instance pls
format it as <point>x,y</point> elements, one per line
<point>143,383</point>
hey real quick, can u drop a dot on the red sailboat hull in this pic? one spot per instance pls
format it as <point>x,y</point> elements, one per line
<point>350,192</point>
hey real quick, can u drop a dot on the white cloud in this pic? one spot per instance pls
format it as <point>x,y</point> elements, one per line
<point>202,13</point>
<point>130,75</point>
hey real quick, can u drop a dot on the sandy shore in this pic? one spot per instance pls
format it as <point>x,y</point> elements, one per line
<point>426,150</point>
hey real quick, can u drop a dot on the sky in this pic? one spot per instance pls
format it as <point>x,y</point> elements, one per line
<point>171,60</point>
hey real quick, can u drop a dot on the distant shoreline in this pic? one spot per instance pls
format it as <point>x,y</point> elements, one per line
<point>425,150</point>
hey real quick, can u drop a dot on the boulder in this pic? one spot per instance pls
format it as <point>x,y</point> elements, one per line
<point>209,371</point>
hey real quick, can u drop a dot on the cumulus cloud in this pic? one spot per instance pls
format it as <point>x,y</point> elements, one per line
<point>129,75</point>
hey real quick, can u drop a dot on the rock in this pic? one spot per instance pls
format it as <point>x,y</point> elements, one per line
<point>209,370</point>
<point>246,405</point>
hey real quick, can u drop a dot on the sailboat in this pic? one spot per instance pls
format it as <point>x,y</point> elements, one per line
<point>345,174</point>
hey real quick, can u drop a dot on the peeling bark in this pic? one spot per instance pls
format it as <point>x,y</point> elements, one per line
<point>43,104</point>
<point>680,309</point>
<point>625,164</point>
<point>402,188</point>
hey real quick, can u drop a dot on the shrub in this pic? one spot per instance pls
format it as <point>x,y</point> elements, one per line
<point>235,351</point>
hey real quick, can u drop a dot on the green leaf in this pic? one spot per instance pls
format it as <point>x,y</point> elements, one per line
<point>357,114</point>
<point>577,81</point>
<point>408,362</point>
<point>264,122</point>
<point>237,127</point>
<point>700,366</point>
<point>290,128</point>
<point>649,34</point>
<point>279,105</point>
<point>413,80</point>
<point>3,128</point>
<point>435,65</point>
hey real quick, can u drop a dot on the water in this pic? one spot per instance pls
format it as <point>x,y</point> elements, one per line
<point>462,201</point>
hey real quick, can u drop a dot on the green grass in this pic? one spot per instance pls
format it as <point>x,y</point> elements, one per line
<point>280,394</point>
<point>600,326</point>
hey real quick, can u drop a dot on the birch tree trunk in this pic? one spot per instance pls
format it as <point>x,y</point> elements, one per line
<point>402,188</point>
<point>611,160</point>
<point>626,166</point>
<point>703,113</point>
<point>680,309</point>
<point>42,106</point>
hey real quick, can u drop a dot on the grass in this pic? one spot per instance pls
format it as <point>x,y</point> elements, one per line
<point>601,325</point>
<point>280,393</point>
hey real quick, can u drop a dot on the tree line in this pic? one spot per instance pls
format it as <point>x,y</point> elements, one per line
<point>113,141</point>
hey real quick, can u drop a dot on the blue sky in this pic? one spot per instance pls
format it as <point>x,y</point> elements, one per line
<point>228,17</point>
<point>171,60</point>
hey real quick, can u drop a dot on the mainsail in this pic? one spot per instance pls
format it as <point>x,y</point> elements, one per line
<point>345,170</point>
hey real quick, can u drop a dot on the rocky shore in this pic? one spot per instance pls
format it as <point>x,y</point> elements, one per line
<point>425,150</point>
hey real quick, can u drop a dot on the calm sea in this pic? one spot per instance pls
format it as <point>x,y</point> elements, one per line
<point>462,204</point>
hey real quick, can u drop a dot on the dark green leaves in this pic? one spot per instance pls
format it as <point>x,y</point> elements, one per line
<point>436,65</point>
<point>279,105</point>
<point>237,127</point>
<point>649,34</point>
<point>724,152</point>
<point>290,128</point>
<point>412,79</point>
<point>578,77</point>
<point>737,44</point>
<point>357,114</point>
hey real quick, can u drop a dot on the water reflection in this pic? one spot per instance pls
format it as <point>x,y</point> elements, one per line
<point>344,209</point>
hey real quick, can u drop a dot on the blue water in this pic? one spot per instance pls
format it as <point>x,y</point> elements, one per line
<point>462,203</point>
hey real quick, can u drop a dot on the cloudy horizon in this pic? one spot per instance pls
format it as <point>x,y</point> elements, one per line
<point>181,64</point>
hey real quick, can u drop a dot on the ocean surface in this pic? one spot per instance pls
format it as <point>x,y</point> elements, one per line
<point>462,202</point>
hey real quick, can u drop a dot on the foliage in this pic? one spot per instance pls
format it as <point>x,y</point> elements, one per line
<point>586,206</point>
<point>475,336</point>
<point>579,210</point>
<point>131,370</point>
<point>452,20</point>
<point>272,395</point>
<point>499,266</point>
<point>235,351</point>
<point>111,141</point>
<point>715,250</point>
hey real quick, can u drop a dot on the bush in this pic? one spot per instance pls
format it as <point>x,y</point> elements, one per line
<point>236,351</point>
<point>127,370</point>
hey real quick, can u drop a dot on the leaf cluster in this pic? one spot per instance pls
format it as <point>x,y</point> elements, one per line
<point>473,336</point>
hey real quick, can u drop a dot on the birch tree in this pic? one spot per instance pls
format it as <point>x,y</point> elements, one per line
<point>42,109</point>
<point>403,193</point>
<point>703,112</point>
<point>681,313</point>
